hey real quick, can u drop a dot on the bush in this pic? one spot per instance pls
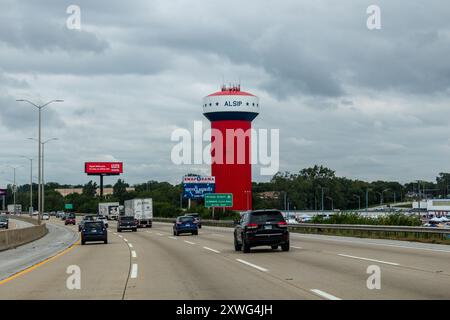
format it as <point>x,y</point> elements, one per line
<point>396,219</point>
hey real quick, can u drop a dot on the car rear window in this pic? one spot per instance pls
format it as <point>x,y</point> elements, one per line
<point>94,225</point>
<point>266,216</point>
<point>3,218</point>
<point>127,218</point>
<point>185,219</point>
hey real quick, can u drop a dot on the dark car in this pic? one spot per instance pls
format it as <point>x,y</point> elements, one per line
<point>85,218</point>
<point>4,222</point>
<point>70,219</point>
<point>196,217</point>
<point>126,223</point>
<point>261,228</point>
<point>94,231</point>
<point>185,224</point>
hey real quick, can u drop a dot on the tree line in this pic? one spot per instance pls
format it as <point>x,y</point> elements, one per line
<point>296,191</point>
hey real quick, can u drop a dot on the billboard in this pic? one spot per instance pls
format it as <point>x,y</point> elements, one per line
<point>2,192</point>
<point>103,168</point>
<point>195,187</point>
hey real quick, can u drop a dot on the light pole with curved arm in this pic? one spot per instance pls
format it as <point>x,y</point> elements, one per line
<point>39,107</point>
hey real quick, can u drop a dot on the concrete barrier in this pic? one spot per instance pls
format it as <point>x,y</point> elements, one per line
<point>16,237</point>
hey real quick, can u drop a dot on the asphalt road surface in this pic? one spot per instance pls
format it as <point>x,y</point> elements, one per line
<point>153,264</point>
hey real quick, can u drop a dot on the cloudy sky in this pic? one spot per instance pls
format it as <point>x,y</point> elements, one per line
<point>370,104</point>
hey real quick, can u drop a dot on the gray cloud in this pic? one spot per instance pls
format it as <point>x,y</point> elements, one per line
<point>369,104</point>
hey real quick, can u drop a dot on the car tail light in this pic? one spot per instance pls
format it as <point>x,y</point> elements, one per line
<point>252,226</point>
<point>282,224</point>
<point>178,222</point>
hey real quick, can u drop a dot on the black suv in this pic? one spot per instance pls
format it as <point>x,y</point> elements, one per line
<point>4,222</point>
<point>126,223</point>
<point>261,228</point>
<point>94,231</point>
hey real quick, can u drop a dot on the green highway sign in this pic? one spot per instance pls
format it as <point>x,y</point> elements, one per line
<point>68,206</point>
<point>218,200</point>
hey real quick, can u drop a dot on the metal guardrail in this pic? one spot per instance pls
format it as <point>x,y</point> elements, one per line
<point>344,227</point>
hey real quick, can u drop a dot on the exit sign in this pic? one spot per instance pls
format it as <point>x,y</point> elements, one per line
<point>218,200</point>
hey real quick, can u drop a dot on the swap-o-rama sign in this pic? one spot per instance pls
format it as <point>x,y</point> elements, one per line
<point>195,187</point>
<point>218,200</point>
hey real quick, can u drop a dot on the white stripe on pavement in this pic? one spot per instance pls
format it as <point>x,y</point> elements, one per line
<point>367,259</point>
<point>252,265</point>
<point>211,249</point>
<point>125,240</point>
<point>130,245</point>
<point>173,238</point>
<point>120,236</point>
<point>296,247</point>
<point>133,254</point>
<point>325,295</point>
<point>189,242</point>
<point>134,271</point>
<point>159,234</point>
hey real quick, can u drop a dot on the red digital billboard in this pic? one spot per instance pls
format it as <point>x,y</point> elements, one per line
<point>103,168</point>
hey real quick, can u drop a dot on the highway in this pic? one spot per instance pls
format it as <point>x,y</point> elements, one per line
<point>153,264</point>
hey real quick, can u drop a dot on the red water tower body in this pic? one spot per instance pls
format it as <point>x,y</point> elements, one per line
<point>231,112</point>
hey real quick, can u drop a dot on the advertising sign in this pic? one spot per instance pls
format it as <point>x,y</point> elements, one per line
<point>195,187</point>
<point>218,200</point>
<point>2,192</point>
<point>68,206</point>
<point>103,168</point>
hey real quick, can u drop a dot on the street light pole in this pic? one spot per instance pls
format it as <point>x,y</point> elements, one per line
<point>332,203</point>
<point>359,201</point>
<point>39,107</point>
<point>31,183</point>
<point>42,209</point>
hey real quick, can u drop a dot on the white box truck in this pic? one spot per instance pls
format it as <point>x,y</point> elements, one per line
<point>141,210</point>
<point>109,209</point>
<point>17,210</point>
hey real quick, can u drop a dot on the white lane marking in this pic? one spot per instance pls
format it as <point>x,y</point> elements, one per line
<point>134,271</point>
<point>325,295</point>
<point>120,236</point>
<point>189,242</point>
<point>218,235</point>
<point>373,243</point>
<point>130,245</point>
<point>115,233</point>
<point>211,249</point>
<point>148,231</point>
<point>367,259</point>
<point>252,265</point>
<point>159,234</point>
<point>296,247</point>
<point>125,240</point>
<point>133,254</point>
<point>173,238</point>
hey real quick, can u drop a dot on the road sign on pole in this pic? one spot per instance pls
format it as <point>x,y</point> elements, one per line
<point>68,206</point>
<point>218,200</point>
